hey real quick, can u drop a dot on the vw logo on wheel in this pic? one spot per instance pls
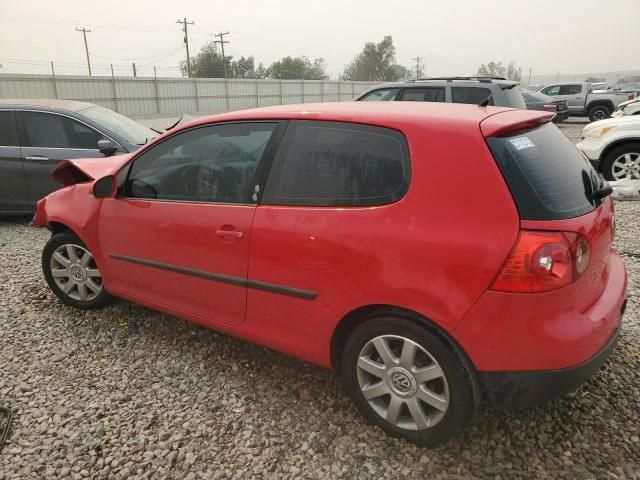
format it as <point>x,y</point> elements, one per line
<point>401,382</point>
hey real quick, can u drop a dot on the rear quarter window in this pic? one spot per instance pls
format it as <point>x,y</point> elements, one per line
<point>471,95</point>
<point>338,164</point>
<point>547,175</point>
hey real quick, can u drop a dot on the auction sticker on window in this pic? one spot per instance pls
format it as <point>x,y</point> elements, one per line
<point>521,143</point>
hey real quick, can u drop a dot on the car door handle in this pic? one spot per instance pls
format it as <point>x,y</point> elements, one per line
<point>39,158</point>
<point>226,234</point>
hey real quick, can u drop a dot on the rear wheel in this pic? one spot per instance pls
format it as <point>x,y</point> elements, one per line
<point>622,163</point>
<point>71,272</point>
<point>599,112</point>
<point>407,380</point>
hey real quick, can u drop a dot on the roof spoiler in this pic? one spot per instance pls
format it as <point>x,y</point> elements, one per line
<point>511,121</point>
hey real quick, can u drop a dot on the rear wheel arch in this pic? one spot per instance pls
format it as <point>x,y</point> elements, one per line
<point>367,312</point>
<point>600,103</point>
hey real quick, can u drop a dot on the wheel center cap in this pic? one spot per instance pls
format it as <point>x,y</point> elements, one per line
<point>78,273</point>
<point>402,382</point>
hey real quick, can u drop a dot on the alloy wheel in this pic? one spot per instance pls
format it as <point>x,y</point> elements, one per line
<point>625,166</point>
<point>402,382</point>
<point>75,272</point>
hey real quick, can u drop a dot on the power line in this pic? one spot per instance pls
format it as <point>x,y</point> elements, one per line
<point>184,23</point>
<point>222,41</point>
<point>86,47</point>
<point>139,58</point>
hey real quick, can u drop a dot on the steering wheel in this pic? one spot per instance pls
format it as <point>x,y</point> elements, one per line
<point>201,181</point>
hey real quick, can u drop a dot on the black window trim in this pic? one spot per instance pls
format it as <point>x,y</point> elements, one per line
<point>22,131</point>
<point>260,175</point>
<point>283,148</point>
<point>14,123</point>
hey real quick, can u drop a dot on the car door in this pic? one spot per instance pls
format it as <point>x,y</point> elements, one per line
<point>13,187</point>
<point>48,138</point>
<point>177,233</point>
<point>574,95</point>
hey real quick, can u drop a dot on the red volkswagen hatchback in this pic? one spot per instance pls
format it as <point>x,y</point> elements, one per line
<point>436,255</point>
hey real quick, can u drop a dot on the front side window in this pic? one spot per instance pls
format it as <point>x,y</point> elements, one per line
<point>48,130</point>
<point>382,95</point>
<point>552,90</point>
<point>423,95</point>
<point>338,164</point>
<point>470,95</point>
<point>570,89</point>
<point>8,137</point>
<point>215,163</point>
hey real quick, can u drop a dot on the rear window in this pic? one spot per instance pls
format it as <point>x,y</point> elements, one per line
<point>548,177</point>
<point>338,164</point>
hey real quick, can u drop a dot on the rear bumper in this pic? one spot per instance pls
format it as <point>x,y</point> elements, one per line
<point>523,389</point>
<point>560,116</point>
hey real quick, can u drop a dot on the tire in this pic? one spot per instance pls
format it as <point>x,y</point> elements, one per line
<point>622,162</point>
<point>599,112</point>
<point>432,423</point>
<point>66,261</point>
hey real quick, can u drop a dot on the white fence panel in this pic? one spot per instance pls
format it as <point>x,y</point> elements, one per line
<point>150,96</point>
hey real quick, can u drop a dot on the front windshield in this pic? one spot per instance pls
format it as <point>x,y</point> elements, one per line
<point>131,131</point>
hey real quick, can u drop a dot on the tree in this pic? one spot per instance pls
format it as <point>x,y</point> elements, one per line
<point>498,69</point>
<point>208,63</point>
<point>376,62</point>
<point>298,68</point>
<point>245,68</point>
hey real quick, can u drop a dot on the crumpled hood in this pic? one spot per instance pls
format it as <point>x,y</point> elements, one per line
<point>76,170</point>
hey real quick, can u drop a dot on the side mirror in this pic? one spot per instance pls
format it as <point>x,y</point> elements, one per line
<point>107,147</point>
<point>105,187</point>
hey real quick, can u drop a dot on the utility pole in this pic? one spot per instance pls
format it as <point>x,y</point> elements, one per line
<point>222,41</point>
<point>530,72</point>
<point>135,74</point>
<point>418,73</point>
<point>186,42</point>
<point>86,48</point>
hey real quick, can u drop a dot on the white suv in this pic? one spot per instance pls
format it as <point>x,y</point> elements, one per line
<point>613,147</point>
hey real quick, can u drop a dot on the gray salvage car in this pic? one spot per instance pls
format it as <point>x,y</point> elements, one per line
<point>36,134</point>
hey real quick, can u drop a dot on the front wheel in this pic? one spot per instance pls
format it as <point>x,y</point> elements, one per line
<point>599,112</point>
<point>622,163</point>
<point>71,272</point>
<point>407,380</point>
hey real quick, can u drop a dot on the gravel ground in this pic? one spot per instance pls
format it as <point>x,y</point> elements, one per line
<point>130,393</point>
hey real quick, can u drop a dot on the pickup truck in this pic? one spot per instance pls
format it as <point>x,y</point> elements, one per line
<point>583,101</point>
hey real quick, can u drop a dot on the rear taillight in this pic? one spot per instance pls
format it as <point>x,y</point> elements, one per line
<point>543,261</point>
<point>631,97</point>
<point>550,107</point>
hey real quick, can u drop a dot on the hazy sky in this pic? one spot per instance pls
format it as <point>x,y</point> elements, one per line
<point>454,36</point>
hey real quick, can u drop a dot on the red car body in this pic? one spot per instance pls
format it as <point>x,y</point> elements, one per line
<point>297,278</point>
